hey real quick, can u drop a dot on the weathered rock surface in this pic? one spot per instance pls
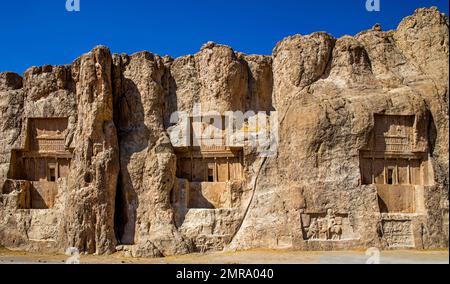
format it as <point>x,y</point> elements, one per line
<point>147,160</point>
<point>328,93</point>
<point>327,119</point>
<point>92,181</point>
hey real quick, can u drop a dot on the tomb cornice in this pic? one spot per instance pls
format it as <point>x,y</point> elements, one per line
<point>392,155</point>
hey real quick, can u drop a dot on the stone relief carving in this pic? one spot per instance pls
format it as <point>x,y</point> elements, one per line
<point>397,233</point>
<point>68,139</point>
<point>98,148</point>
<point>445,218</point>
<point>327,226</point>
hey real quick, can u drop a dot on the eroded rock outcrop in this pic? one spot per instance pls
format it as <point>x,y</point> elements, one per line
<point>147,160</point>
<point>87,160</point>
<point>92,182</point>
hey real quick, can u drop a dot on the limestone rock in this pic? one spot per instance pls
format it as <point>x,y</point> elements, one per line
<point>10,81</point>
<point>377,27</point>
<point>333,119</point>
<point>298,62</point>
<point>260,83</point>
<point>89,205</point>
<point>423,38</point>
<point>147,160</point>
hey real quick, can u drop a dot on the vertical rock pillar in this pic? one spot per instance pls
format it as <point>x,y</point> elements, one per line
<point>89,212</point>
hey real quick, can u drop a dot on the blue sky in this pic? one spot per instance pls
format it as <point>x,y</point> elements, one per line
<point>37,32</point>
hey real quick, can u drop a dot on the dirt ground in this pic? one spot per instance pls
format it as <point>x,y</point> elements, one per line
<point>244,257</point>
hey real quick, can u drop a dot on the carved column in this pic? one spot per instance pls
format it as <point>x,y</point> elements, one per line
<point>409,171</point>
<point>57,169</point>
<point>397,177</point>
<point>35,171</point>
<point>372,166</point>
<point>228,170</point>
<point>216,174</point>
<point>192,166</point>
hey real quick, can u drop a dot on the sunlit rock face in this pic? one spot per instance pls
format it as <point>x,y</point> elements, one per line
<point>89,156</point>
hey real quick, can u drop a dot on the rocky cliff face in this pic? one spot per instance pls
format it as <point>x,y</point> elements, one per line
<point>122,188</point>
